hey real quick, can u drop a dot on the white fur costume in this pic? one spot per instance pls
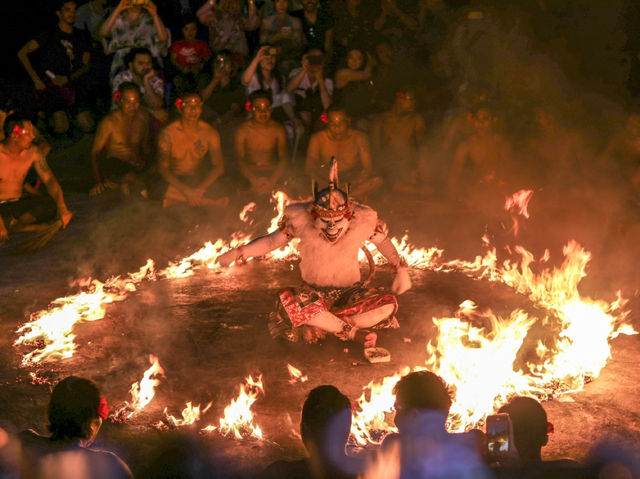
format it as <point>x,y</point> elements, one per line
<point>326,264</point>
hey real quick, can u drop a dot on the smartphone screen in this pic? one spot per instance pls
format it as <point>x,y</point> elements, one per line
<point>498,428</point>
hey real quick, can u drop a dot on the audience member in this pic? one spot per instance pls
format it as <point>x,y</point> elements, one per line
<point>423,446</point>
<point>183,146</point>
<point>312,90</point>
<point>325,426</point>
<point>263,74</point>
<point>141,72</point>
<point>90,17</point>
<point>134,25</point>
<point>530,434</point>
<point>397,138</point>
<point>261,147</point>
<point>317,26</point>
<point>121,144</point>
<point>221,90</point>
<point>188,55</point>
<point>349,146</point>
<point>59,76</point>
<point>353,88</point>
<point>481,159</point>
<point>227,25</point>
<point>354,26</point>
<point>76,413</point>
<point>17,156</point>
<point>393,21</point>
<point>283,32</point>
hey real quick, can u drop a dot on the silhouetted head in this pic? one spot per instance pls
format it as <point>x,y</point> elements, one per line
<point>326,419</point>
<point>530,426</point>
<point>74,410</point>
<point>417,392</point>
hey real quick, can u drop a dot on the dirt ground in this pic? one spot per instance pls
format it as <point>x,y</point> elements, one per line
<point>209,331</point>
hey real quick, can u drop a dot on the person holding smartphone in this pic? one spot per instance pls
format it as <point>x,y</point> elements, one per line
<point>285,32</point>
<point>134,24</point>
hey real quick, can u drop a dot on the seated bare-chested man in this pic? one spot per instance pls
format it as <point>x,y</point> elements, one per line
<point>396,138</point>
<point>559,153</point>
<point>121,145</point>
<point>349,146</point>
<point>261,146</point>
<point>183,147</point>
<point>17,156</point>
<point>482,159</point>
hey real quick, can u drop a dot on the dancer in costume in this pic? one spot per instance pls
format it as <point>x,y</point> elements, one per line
<point>333,299</point>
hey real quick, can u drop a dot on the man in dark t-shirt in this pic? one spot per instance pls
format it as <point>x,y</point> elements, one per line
<point>317,26</point>
<point>60,70</point>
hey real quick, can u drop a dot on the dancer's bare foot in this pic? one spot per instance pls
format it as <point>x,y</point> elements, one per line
<point>367,338</point>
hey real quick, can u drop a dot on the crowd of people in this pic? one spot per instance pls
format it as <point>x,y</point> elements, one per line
<point>193,103</point>
<point>421,447</point>
<point>230,98</point>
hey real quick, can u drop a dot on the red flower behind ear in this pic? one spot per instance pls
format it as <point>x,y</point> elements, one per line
<point>314,214</point>
<point>103,409</point>
<point>550,428</point>
<point>18,131</point>
<point>400,95</point>
<point>248,106</point>
<point>179,103</point>
<point>324,118</point>
<point>117,96</point>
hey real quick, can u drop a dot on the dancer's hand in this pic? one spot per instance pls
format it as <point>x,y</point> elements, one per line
<point>227,258</point>
<point>402,281</point>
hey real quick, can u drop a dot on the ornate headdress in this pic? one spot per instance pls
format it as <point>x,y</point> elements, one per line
<point>331,202</point>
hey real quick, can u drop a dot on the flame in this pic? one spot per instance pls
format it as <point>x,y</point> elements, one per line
<point>475,352</point>
<point>296,375</point>
<point>190,414</point>
<point>517,204</point>
<point>53,328</point>
<point>238,418</point>
<point>142,392</point>
<point>244,214</point>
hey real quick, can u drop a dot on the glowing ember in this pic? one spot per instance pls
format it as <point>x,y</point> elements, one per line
<point>52,329</point>
<point>190,414</point>
<point>296,375</point>
<point>238,418</point>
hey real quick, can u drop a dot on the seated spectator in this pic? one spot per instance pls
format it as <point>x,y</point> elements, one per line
<point>17,156</point>
<point>385,77</point>
<point>312,90</point>
<point>59,76</point>
<point>353,88</point>
<point>132,25</point>
<point>183,146</point>
<point>317,26</point>
<point>393,21</point>
<point>76,413</point>
<point>349,146</point>
<point>222,93</point>
<point>325,426</point>
<point>188,55</point>
<point>481,160</point>
<point>283,32</point>
<point>121,144</point>
<point>531,433</point>
<point>397,137</point>
<point>263,74</point>
<point>141,72</point>
<point>90,17</point>
<point>354,25</point>
<point>422,445</point>
<point>227,25</point>
<point>261,147</point>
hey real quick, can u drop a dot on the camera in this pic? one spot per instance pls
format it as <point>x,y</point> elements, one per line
<point>499,437</point>
<point>314,60</point>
